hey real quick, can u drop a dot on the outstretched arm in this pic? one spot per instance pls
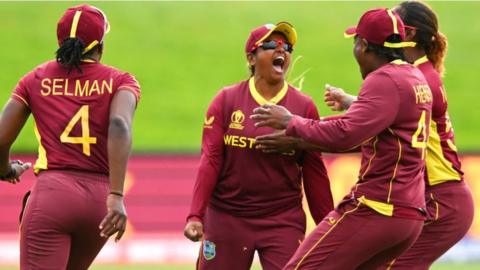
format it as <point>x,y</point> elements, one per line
<point>375,110</point>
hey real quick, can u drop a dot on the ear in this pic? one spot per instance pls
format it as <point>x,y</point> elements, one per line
<point>410,34</point>
<point>252,59</point>
<point>363,45</point>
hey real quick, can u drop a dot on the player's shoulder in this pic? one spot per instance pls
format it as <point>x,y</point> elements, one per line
<point>105,67</point>
<point>298,95</point>
<point>431,74</point>
<point>236,87</point>
<point>229,92</point>
<point>391,73</point>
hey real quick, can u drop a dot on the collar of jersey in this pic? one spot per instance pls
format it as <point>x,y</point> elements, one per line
<point>420,60</point>
<point>88,61</point>
<point>398,62</point>
<point>261,100</point>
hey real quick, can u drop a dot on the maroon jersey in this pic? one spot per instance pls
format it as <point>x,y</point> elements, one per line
<point>71,113</point>
<point>390,121</point>
<point>442,162</point>
<point>237,178</point>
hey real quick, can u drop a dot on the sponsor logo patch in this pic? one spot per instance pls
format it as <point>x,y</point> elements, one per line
<point>207,123</point>
<point>209,251</point>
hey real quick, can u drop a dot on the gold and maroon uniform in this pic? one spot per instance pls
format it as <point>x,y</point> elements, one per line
<point>390,122</point>
<point>249,200</point>
<point>67,202</point>
<point>449,201</point>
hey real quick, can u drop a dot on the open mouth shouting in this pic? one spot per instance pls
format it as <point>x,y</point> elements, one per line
<point>279,63</point>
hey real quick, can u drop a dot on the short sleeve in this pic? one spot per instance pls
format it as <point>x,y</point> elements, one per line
<point>129,83</point>
<point>21,90</point>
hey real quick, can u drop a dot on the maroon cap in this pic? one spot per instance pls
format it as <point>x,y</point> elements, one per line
<point>259,34</point>
<point>377,25</point>
<point>87,23</point>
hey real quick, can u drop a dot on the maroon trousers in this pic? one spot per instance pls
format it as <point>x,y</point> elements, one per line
<point>230,241</point>
<point>353,236</point>
<point>450,214</point>
<point>59,228</point>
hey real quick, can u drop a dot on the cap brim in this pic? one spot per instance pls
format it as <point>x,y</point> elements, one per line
<point>350,32</point>
<point>286,29</point>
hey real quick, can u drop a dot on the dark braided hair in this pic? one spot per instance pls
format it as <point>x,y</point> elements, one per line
<point>70,54</point>
<point>389,54</point>
<point>427,36</point>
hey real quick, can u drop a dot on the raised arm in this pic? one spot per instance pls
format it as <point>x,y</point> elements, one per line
<point>211,163</point>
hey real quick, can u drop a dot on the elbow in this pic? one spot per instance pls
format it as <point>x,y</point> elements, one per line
<point>119,127</point>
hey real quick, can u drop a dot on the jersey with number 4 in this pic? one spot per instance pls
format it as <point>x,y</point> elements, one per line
<point>71,112</point>
<point>390,121</point>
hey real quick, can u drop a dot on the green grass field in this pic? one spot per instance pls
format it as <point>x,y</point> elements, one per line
<point>444,266</point>
<point>183,53</point>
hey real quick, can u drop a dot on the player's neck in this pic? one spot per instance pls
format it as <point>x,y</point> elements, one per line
<point>95,56</point>
<point>413,54</point>
<point>266,89</point>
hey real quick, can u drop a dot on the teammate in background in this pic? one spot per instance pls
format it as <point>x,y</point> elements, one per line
<point>389,122</point>
<point>449,200</point>
<point>245,200</point>
<point>83,112</point>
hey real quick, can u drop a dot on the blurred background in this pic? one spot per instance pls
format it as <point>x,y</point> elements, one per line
<point>182,53</point>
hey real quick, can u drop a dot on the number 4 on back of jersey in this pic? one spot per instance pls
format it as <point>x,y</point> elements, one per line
<point>85,140</point>
<point>421,129</point>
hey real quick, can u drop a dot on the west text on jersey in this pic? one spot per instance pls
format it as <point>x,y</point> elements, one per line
<point>238,141</point>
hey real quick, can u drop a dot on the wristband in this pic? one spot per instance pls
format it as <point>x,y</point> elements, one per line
<point>116,193</point>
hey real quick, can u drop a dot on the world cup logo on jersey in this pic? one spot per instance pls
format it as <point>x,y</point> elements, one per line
<point>237,119</point>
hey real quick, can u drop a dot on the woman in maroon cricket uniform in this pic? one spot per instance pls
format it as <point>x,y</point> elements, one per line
<point>245,200</point>
<point>83,112</point>
<point>449,200</point>
<point>389,123</point>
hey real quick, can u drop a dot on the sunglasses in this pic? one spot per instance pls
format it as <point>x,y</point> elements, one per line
<point>273,44</point>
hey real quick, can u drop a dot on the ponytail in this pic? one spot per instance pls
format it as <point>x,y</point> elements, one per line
<point>437,52</point>
<point>70,54</point>
<point>421,16</point>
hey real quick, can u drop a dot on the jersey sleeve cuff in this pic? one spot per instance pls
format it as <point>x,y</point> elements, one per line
<point>20,99</point>
<point>194,218</point>
<point>130,89</point>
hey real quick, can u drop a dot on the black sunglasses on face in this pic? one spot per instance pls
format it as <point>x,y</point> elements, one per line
<point>273,44</point>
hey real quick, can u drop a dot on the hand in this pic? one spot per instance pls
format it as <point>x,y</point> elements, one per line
<point>277,143</point>
<point>116,219</point>
<point>193,230</point>
<point>337,99</point>
<point>271,115</point>
<point>17,168</point>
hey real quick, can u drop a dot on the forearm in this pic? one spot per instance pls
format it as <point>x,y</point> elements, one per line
<point>205,183</point>
<point>317,186</point>
<point>12,120</point>
<point>348,100</point>
<point>119,147</point>
<point>4,159</point>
